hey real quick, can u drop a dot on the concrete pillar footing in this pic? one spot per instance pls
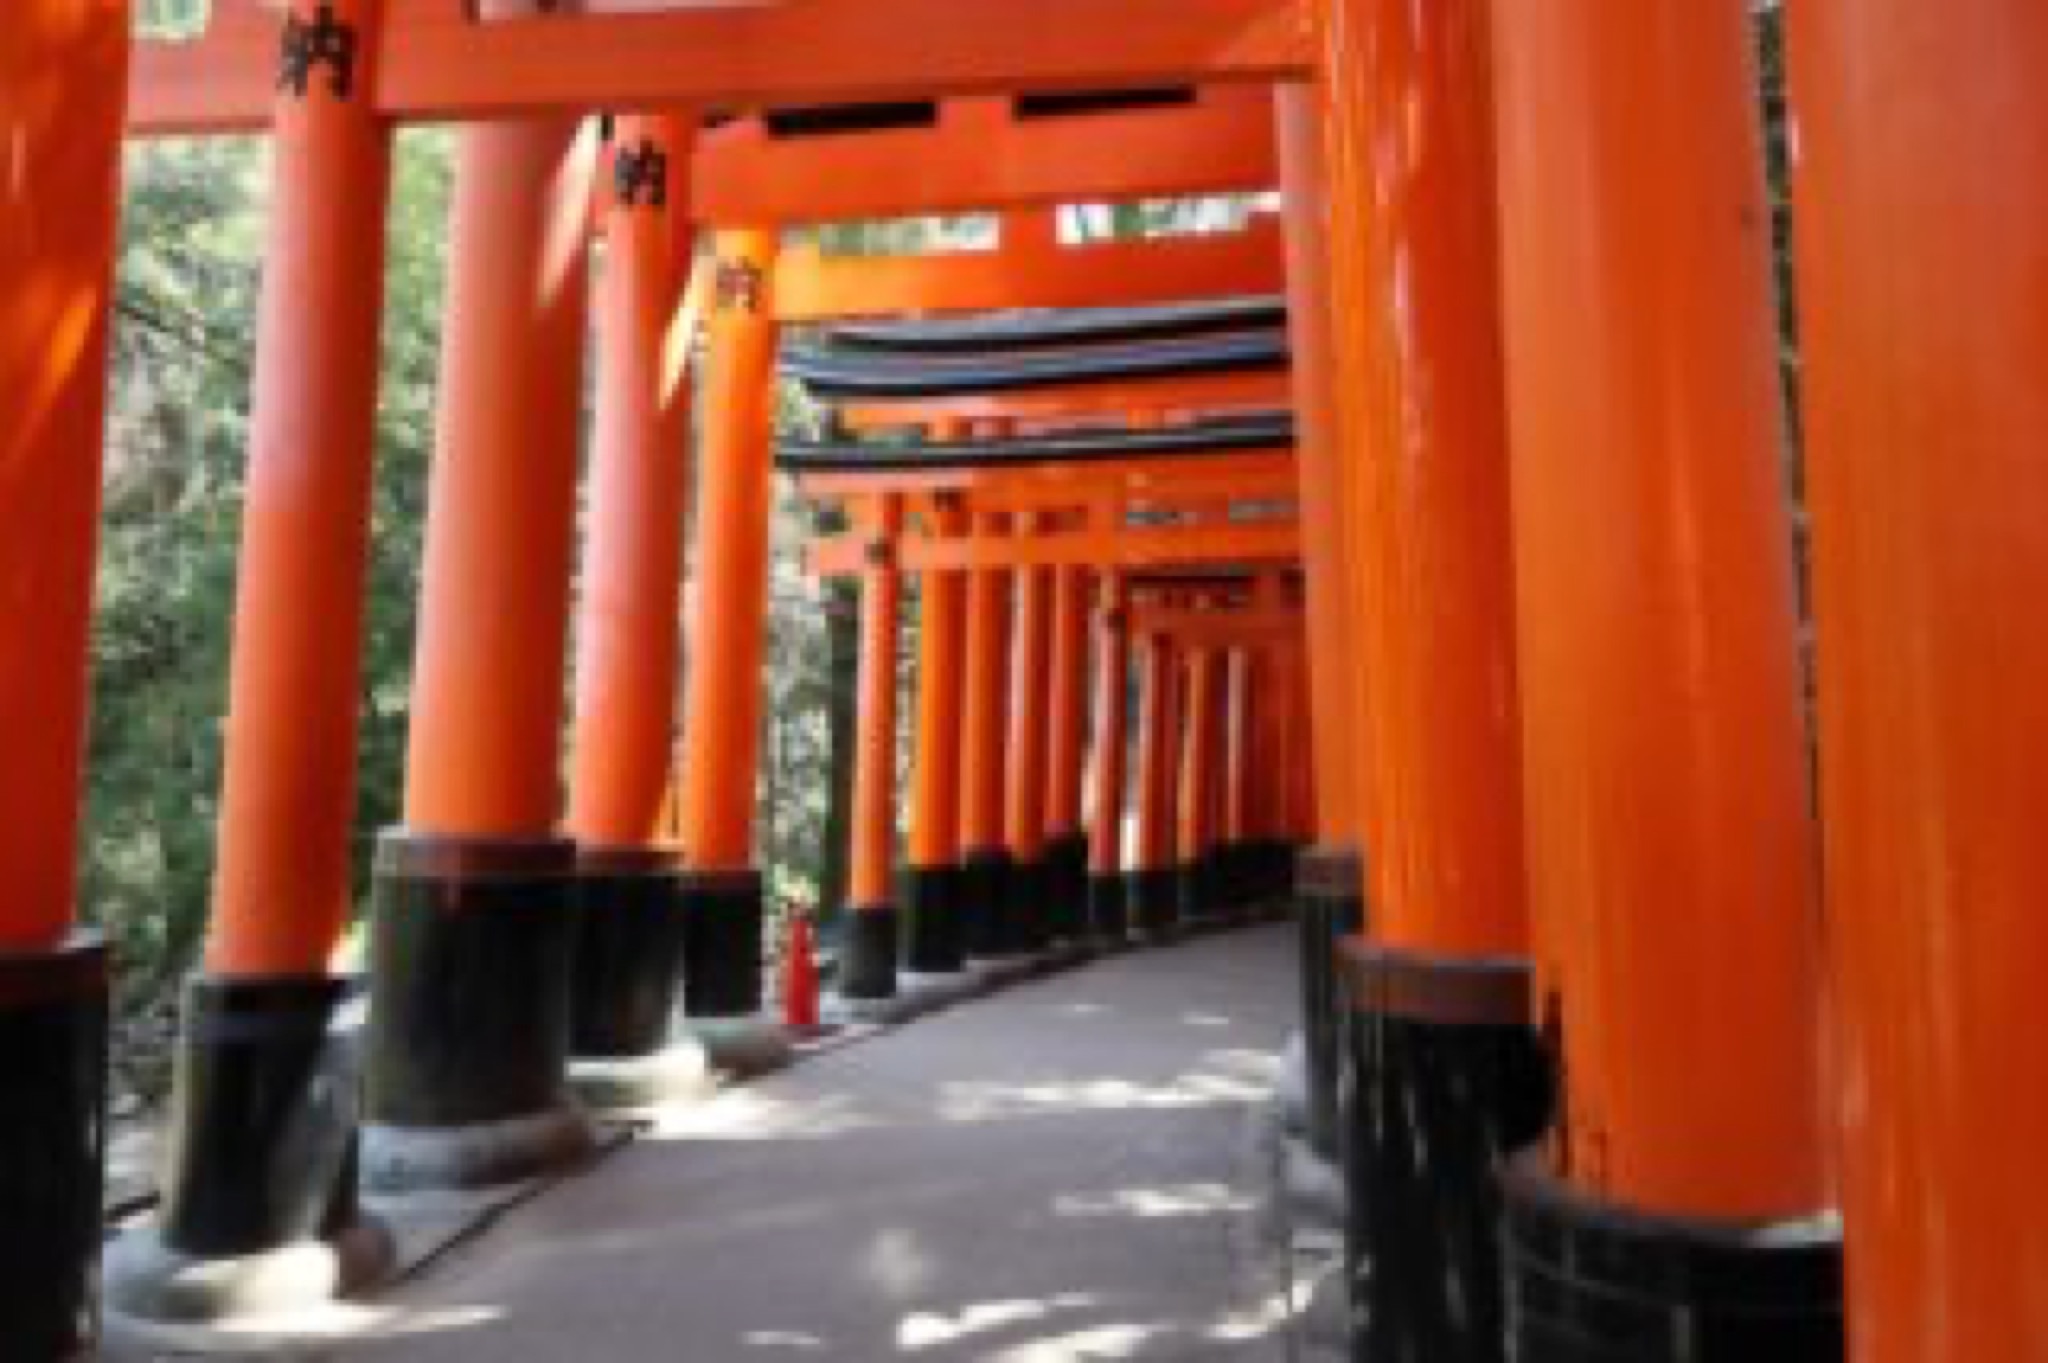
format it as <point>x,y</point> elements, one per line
<point>742,1047</point>
<point>149,1283</point>
<point>679,1072</point>
<point>403,1160</point>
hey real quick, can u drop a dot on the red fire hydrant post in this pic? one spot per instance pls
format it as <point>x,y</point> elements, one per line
<point>799,974</point>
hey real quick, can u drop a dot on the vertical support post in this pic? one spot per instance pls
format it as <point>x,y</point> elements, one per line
<point>1330,874</point>
<point>63,77</point>
<point>1026,907</point>
<point>1923,301</point>
<point>934,944</point>
<point>723,906</point>
<point>1108,911</point>
<point>629,943</point>
<point>870,972</point>
<point>1448,1073</point>
<point>1196,788</point>
<point>1154,890</point>
<point>985,855</point>
<point>1237,857</point>
<point>264,1114</point>
<point>1066,840</point>
<point>1673,884</point>
<point>474,922</point>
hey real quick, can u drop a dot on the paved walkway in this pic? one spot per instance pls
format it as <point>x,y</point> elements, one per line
<point>1071,1169</point>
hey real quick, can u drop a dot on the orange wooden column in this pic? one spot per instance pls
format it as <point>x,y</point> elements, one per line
<point>1440,1001</point>
<point>476,907</point>
<point>728,634</point>
<point>933,915</point>
<point>1066,839</point>
<point>62,82</point>
<point>871,941</point>
<point>1195,840</point>
<point>282,891</point>
<point>1153,888</point>
<point>1670,840</point>
<point>1319,449</point>
<point>985,856</point>
<point>1924,308</point>
<point>1109,761</point>
<point>1234,771</point>
<point>630,944</point>
<point>1027,919</point>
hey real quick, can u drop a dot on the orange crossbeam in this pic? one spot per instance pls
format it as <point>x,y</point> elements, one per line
<point>1163,481</point>
<point>1215,394</point>
<point>1030,271</point>
<point>1270,541</point>
<point>981,155</point>
<point>435,64</point>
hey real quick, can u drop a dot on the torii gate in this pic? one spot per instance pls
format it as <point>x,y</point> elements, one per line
<point>1568,724</point>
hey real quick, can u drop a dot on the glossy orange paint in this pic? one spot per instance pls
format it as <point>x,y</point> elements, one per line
<point>980,155</point>
<point>1671,847</point>
<point>1032,270</point>
<point>1239,735</point>
<point>871,880</point>
<point>1922,133</point>
<point>484,751</point>
<point>281,891</point>
<point>1274,540</point>
<point>941,668</point>
<point>438,65</point>
<point>629,639</point>
<point>1027,749</point>
<point>986,711</point>
<point>1195,788</point>
<point>1155,832</point>
<point>1162,483</point>
<point>1331,661</point>
<point>728,629</point>
<point>1109,760</point>
<point>61,81</point>
<point>1417,372</point>
<point>1240,392</point>
<point>1067,714</point>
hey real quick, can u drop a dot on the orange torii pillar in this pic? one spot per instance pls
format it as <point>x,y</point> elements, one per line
<point>1924,305</point>
<point>629,944</point>
<point>1679,1213</point>
<point>1330,873</point>
<point>871,928</point>
<point>1237,857</point>
<point>1195,842</point>
<point>1109,762</point>
<point>1448,1073</point>
<point>934,947</point>
<point>723,893</point>
<point>1153,890</point>
<point>1026,917</point>
<point>475,918</point>
<point>265,1113</point>
<point>1066,839</point>
<point>63,71</point>
<point>985,857</point>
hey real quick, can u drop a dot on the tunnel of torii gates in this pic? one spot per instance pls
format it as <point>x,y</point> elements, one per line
<point>1536,630</point>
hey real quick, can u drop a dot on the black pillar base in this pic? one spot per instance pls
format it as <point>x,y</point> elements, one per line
<point>1447,1079</point>
<point>1066,887</point>
<point>1329,885</point>
<point>629,953</point>
<point>1108,910</point>
<point>53,1068</point>
<point>933,940</point>
<point>1200,910</point>
<point>471,950</point>
<point>723,946</point>
<point>1589,1283</point>
<point>1153,895</point>
<point>984,899</point>
<point>868,965</point>
<point>262,1161</point>
<point>1027,906</point>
